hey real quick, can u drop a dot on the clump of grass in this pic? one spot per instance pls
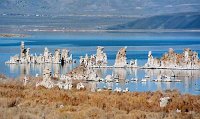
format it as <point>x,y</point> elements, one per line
<point>2,76</point>
<point>8,102</point>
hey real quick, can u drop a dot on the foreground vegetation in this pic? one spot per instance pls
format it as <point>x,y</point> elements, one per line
<point>24,102</point>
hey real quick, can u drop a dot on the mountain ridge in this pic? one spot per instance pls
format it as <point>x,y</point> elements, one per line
<point>168,21</point>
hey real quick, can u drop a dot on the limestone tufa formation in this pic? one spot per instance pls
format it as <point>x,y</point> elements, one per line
<point>120,60</point>
<point>80,86</point>
<point>101,57</point>
<point>64,82</point>
<point>171,60</point>
<point>164,101</point>
<point>66,57</point>
<point>25,57</point>
<point>46,82</point>
<point>97,60</point>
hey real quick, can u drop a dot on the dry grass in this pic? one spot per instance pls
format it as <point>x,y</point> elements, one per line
<point>2,76</point>
<point>18,101</point>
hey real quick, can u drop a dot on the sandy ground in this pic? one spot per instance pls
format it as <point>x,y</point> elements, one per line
<point>27,102</point>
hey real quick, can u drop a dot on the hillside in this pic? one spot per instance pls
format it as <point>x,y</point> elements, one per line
<point>171,21</point>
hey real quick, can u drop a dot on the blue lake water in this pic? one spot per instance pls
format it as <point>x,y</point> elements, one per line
<point>81,43</point>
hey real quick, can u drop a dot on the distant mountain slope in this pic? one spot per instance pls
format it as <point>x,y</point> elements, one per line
<point>112,7</point>
<point>172,21</point>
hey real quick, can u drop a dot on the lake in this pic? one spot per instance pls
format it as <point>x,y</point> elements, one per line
<point>86,42</point>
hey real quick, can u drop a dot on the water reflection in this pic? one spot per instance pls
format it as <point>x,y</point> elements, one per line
<point>33,69</point>
<point>190,78</point>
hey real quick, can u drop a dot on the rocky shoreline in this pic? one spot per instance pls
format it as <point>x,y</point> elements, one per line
<point>27,101</point>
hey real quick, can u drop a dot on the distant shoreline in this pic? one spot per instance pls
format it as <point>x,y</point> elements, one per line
<point>117,31</point>
<point>12,35</point>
